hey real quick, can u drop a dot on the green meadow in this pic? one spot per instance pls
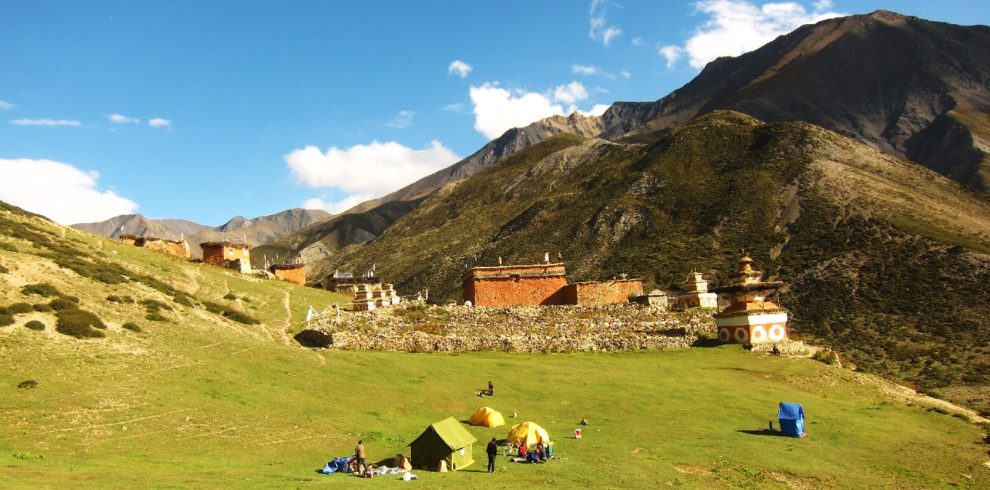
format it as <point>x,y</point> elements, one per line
<point>195,399</point>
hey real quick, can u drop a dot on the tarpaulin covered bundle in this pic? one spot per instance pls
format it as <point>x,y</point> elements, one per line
<point>527,433</point>
<point>487,417</point>
<point>337,464</point>
<point>791,417</point>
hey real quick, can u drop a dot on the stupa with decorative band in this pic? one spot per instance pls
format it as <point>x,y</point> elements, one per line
<point>751,317</point>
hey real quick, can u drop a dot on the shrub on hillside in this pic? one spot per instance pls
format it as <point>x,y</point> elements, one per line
<point>63,304</point>
<point>240,317</point>
<point>156,316</point>
<point>20,308</point>
<point>153,305</point>
<point>6,319</point>
<point>827,356</point>
<point>42,308</point>
<point>229,296</point>
<point>43,289</point>
<point>3,270</point>
<point>183,299</point>
<point>213,307</point>
<point>8,247</point>
<point>134,327</point>
<point>79,324</point>
<point>120,299</point>
<point>35,325</point>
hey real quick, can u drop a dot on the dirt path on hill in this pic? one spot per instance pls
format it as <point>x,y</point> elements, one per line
<point>908,394</point>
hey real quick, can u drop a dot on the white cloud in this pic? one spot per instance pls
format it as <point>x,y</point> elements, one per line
<point>373,169</point>
<point>122,119</point>
<point>672,54</point>
<point>496,110</point>
<point>600,30</point>
<point>625,74</point>
<point>59,191</point>
<point>460,68</point>
<point>456,107</point>
<point>339,206</point>
<point>47,122</point>
<point>596,110</point>
<point>6,106</point>
<point>585,70</point>
<point>157,122</point>
<point>402,119</point>
<point>637,41</point>
<point>737,26</point>
<point>570,93</point>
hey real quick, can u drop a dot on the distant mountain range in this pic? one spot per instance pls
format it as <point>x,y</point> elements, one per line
<point>254,232</point>
<point>912,88</point>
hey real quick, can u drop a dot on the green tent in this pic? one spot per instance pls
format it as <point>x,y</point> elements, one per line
<point>447,440</point>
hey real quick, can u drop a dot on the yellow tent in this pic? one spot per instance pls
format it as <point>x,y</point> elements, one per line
<point>527,433</point>
<point>487,417</point>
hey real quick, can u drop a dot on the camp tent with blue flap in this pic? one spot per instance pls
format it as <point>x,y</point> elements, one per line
<point>791,417</point>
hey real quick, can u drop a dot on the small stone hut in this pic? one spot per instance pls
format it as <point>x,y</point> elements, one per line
<point>226,254</point>
<point>295,273</point>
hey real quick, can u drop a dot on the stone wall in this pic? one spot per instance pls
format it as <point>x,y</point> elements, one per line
<point>602,293</point>
<point>416,328</point>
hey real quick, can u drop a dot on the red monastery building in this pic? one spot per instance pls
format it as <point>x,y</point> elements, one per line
<point>541,284</point>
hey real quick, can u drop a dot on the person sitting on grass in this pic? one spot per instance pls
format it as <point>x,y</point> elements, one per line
<point>522,450</point>
<point>541,454</point>
<point>533,457</point>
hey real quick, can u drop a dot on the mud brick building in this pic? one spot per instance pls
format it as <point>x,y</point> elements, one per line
<point>602,293</point>
<point>515,285</point>
<point>226,254</point>
<point>541,284</point>
<point>295,273</point>
<point>177,248</point>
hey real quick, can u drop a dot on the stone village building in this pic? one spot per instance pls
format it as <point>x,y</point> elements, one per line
<point>177,248</point>
<point>295,273</point>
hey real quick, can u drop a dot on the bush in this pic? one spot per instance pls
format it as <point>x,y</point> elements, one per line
<point>230,296</point>
<point>153,305</point>
<point>183,300</point>
<point>35,325</point>
<point>120,299</point>
<point>134,327</point>
<point>155,316</point>
<point>43,289</point>
<point>6,319</point>
<point>79,324</point>
<point>63,304</point>
<point>3,270</point>
<point>20,308</point>
<point>214,308</point>
<point>42,308</point>
<point>240,317</point>
<point>827,356</point>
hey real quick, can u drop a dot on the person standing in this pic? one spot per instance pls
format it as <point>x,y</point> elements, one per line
<point>491,389</point>
<point>492,451</point>
<point>359,455</point>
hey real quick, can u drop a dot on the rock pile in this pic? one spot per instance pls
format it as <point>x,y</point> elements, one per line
<point>421,328</point>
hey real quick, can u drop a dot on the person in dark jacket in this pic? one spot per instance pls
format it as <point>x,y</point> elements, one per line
<point>492,451</point>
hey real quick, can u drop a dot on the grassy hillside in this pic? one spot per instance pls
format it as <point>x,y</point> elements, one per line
<point>883,258</point>
<point>201,401</point>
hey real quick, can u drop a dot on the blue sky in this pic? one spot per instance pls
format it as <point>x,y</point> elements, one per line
<point>206,110</point>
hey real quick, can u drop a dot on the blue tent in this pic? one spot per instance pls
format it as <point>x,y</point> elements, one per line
<point>791,417</point>
<point>337,464</point>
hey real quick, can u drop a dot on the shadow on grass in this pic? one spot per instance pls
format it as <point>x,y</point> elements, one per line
<point>763,432</point>
<point>702,342</point>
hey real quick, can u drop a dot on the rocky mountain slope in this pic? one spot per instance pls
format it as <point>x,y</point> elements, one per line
<point>865,240</point>
<point>911,87</point>
<point>369,219</point>
<point>255,231</point>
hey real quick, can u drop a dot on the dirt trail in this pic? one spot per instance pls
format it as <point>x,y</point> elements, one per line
<point>283,332</point>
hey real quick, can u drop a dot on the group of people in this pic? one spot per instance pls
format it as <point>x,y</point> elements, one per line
<point>540,453</point>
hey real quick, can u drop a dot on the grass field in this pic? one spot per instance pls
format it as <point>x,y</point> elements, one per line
<point>249,413</point>
<point>201,401</point>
